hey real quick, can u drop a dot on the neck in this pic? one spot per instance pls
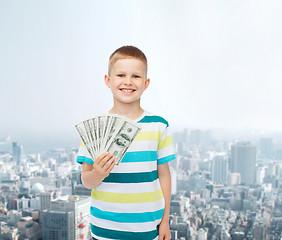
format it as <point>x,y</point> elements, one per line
<point>130,110</point>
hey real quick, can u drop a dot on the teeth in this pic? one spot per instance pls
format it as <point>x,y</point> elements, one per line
<point>127,90</point>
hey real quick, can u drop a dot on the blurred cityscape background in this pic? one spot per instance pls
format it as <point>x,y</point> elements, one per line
<point>215,69</point>
<point>223,187</point>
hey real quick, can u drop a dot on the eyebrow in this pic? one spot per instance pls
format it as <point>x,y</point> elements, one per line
<point>134,73</point>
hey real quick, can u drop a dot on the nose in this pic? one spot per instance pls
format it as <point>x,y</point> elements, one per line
<point>128,80</point>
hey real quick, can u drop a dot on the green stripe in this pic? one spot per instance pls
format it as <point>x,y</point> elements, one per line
<point>127,217</point>
<point>149,136</point>
<point>132,177</point>
<point>127,197</point>
<point>149,119</point>
<point>165,142</point>
<point>123,235</point>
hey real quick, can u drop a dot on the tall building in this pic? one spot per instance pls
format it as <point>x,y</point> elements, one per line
<point>45,200</point>
<point>173,181</point>
<point>259,231</point>
<point>243,161</point>
<point>17,152</point>
<point>75,180</point>
<point>58,225</point>
<point>260,174</point>
<point>219,170</point>
<point>266,147</point>
<point>79,206</point>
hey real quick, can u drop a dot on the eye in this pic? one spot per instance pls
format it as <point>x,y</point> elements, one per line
<point>120,75</point>
<point>136,76</point>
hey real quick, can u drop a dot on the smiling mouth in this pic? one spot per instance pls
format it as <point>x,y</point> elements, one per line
<point>127,90</point>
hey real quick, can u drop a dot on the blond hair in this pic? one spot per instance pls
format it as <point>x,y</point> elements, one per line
<point>127,52</point>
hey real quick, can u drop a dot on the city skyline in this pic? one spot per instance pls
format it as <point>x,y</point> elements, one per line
<point>212,198</point>
<point>212,65</point>
<point>215,70</point>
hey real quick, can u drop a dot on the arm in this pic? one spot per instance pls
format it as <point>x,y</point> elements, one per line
<point>165,182</point>
<point>93,174</point>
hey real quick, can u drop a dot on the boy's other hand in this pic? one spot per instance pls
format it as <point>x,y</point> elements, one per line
<point>164,231</point>
<point>104,164</point>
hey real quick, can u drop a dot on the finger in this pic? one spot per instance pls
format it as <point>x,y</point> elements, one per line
<point>105,160</point>
<point>100,157</point>
<point>109,163</point>
<point>113,163</point>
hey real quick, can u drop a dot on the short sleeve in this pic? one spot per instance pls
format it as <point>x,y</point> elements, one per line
<point>166,152</point>
<point>83,155</point>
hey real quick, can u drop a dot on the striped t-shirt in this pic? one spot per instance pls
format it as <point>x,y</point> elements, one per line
<point>129,203</point>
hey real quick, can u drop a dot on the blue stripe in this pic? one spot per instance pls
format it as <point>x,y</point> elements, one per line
<point>132,177</point>
<point>123,235</point>
<point>166,159</point>
<point>140,156</point>
<point>127,217</point>
<point>81,159</point>
<point>149,119</point>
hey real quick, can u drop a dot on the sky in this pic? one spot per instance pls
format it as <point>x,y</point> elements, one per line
<point>212,64</point>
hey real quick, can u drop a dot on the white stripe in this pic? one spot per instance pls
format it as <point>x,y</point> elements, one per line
<point>149,113</point>
<point>137,146</point>
<point>166,133</point>
<point>135,167</point>
<point>82,151</point>
<point>169,150</point>
<point>129,227</point>
<point>100,238</point>
<point>152,126</point>
<point>128,207</point>
<point>129,187</point>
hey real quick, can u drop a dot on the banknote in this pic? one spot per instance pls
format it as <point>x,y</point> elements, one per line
<point>92,126</point>
<point>120,142</point>
<point>89,136</point>
<point>106,123</point>
<point>108,133</point>
<point>86,141</point>
<point>114,126</point>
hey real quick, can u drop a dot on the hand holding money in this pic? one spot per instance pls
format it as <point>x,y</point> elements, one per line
<point>104,164</point>
<point>108,133</point>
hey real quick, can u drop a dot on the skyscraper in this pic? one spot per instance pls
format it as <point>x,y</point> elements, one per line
<point>219,170</point>
<point>79,206</point>
<point>259,231</point>
<point>243,161</point>
<point>17,152</point>
<point>45,200</point>
<point>58,225</point>
<point>266,147</point>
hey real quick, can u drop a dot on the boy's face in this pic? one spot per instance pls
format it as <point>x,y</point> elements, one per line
<point>127,80</point>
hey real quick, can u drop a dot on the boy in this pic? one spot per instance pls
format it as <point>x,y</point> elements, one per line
<point>131,200</point>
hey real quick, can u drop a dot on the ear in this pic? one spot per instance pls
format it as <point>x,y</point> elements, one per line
<point>147,83</point>
<point>107,81</point>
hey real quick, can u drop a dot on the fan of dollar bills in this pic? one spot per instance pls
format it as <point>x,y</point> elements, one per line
<point>107,133</point>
